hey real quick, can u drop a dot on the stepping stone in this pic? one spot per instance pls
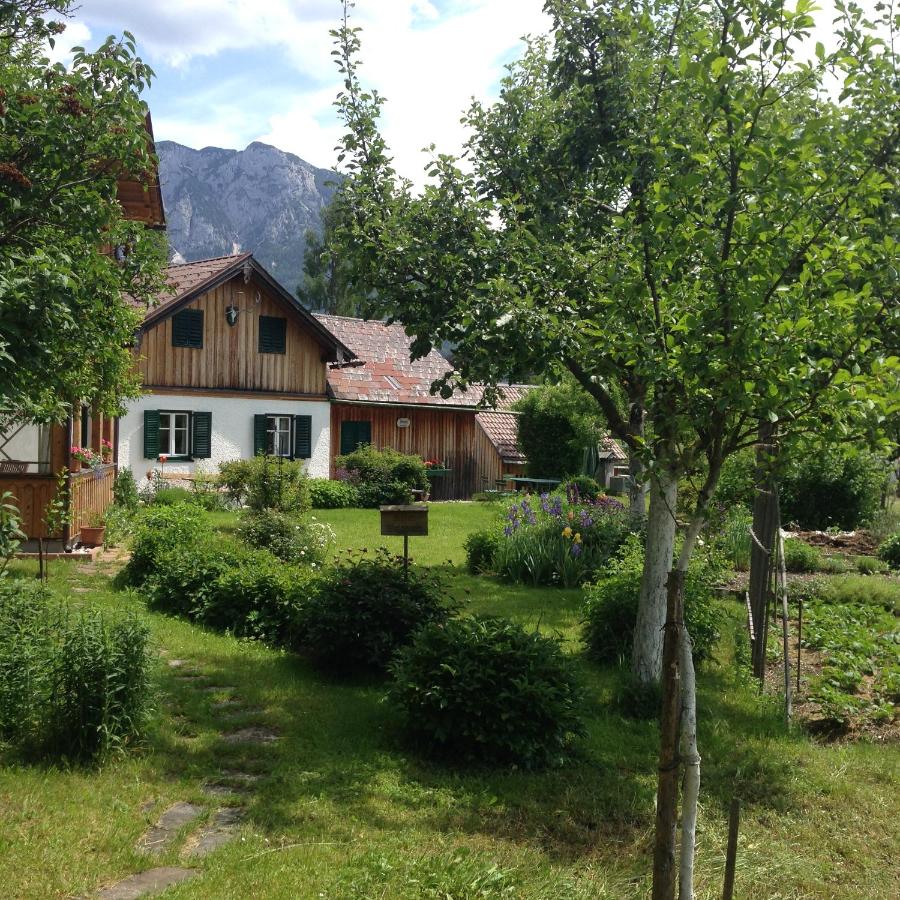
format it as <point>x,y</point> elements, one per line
<point>144,884</point>
<point>216,688</point>
<point>244,778</point>
<point>212,789</point>
<point>237,711</point>
<point>80,590</point>
<point>219,832</point>
<point>255,734</point>
<point>178,663</point>
<point>173,819</point>
<point>227,704</point>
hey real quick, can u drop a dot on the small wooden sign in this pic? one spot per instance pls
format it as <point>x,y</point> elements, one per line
<point>403,423</point>
<point>405,521</point>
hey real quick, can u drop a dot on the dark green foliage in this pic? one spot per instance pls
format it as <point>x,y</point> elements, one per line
<point>288,537</point>
<point>159,530</point>
<point>71,686</point>
<point>125,492</point>
<point>636,699</point>
<point>802,557</point>
<point>889,551</point>
<point>587,488</point>
<point>832,487</point>
<point>484,690</point>
<point>266,482</point>
<point>206,494</point>
<point>169,496</point>
<point>556,425</point>
<point>367,608</point>
<point>481,547</point>
<point>611,605</point>
<point>11,534</point>
<point>737,480</point>
<point>383,477</point>
<point>326,493</point>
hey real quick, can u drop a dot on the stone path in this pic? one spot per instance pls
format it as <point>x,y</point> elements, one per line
<point>233,786</point>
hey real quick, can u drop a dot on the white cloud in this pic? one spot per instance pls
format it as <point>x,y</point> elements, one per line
<point>77,34</point>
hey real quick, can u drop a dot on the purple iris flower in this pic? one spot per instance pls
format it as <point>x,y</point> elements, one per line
<point>586,520</point>
<point>556,508</point>
<point>508,530</point>
<point>576,549</point>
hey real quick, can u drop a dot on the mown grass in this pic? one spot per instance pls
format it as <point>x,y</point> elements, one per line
<point>344,811</point>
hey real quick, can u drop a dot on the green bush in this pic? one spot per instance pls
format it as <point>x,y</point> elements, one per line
<point>802,557</point>
<point>72,686</point>
<point>160,529</point>
<point>481,548</point>
<point>484,690</point>
<point>326,493</point>
<point>366,609</point>
<point>583,487</point>
<point>11,534</point>
<point>266,482</point>
<point>120,523</point>
<point>889,551</point>
<point>206,492</point>
<point>169,496</point>
<point>611,605</point>
<point>832,488</point>
<point>382,477</point>
<point>636,699</point>
<point>733,537</point>
<point>125,492</point>
<point>288,537</point>
<point>737,480</point>
<point>874,590</point>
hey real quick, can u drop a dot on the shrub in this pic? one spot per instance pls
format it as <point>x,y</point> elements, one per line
<point>159,530</point>
<point>611,605</point>
<point>582,487</point>
<point>287,537</point>
<point>169,496</point>
<point>125,492</point>
<point>801,557</point>
<point>832,488</point>
<point>737,480</point>
<point>733,537</point>
<point>889,551</point>
<point>71,686</point>
<point>481,548</point>
<point>636,699</point>
<point>265,482</point>
<point>366,609</point>
<point>120,523</point>
<point>205,492</point>
<point>11,534</point>
<point>484,690</point>
<point>328,494</point>
<point>382,476</point>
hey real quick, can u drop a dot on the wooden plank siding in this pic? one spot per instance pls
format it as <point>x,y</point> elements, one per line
<point>444,434</point>
<point>230,358</point>
<point>32,493</point>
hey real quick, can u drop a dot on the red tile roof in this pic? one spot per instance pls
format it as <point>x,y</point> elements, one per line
<point>613,448</point>
<point>502,431</point>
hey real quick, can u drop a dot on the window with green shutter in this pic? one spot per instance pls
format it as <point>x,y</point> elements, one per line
<point>201,437</point>
<point>187,328</point>
<point>272,334</point>
<point>353,434</point>
<point>260,429</point>
<point>302,437</point>
<point>151,433</point>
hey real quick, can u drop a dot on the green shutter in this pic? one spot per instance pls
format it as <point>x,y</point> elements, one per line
<point>259,435</point>
<point>201,439</point>
<point>302,437</point>
<point>272,334</point>
<point>151,433</point>
<point>353,434</point>
<point>187,328</point>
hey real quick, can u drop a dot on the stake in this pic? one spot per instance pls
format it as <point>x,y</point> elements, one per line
<point>734,818</point>
<point>405,555</point>
<point>41,560</point>
<point>799,639</point>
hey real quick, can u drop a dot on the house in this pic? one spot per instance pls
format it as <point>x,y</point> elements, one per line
<point>31,455</point>
<point>386,400</point>
<point>232,365</point>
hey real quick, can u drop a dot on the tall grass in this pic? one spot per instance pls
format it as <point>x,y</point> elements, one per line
<point>734,538</point>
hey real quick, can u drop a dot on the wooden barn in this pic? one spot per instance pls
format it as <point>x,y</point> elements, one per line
<point>386,401</point>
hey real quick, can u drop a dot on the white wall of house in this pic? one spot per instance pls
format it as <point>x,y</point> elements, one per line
<point>26,443</point>
<point>232,430</point>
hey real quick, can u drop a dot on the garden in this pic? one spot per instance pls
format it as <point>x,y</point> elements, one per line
<point>249,654</point>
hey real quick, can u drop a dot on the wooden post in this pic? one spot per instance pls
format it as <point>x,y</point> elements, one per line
<point>782,585</point>
<point>664,868</point>
<point>799,639</point>
<point>734,818</point>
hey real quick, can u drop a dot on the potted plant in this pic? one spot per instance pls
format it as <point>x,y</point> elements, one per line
<point>92,535</point>
<point>106,449</point>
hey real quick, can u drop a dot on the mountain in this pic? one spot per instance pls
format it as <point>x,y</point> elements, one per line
<point>260,199</point>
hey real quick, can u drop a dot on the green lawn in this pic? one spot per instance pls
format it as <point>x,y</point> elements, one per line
<point>343,811</point>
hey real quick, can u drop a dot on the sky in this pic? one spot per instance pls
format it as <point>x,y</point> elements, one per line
<point>229,72</point>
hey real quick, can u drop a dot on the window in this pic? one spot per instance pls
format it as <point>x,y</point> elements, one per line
<point>272,331</point>
<point>187,328</point>
<point>173,433</point>
<point>85,426</point>
<point>278,435</point>
<point>354,434</point>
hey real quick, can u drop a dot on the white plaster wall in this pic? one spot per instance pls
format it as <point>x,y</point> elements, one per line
<point>23,442</point>
<point>232,430</point>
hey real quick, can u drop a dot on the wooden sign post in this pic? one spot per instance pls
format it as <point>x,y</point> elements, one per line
<point>409,520</point>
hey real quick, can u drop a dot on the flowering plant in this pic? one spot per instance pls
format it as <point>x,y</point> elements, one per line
<point>434,464</point>
<point>86,456</point>
<point>106,449</point>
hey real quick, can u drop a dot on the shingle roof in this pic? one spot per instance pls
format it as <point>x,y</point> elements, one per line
<point>187,278</point>
<point>502,429</point>
<point>613,448</point>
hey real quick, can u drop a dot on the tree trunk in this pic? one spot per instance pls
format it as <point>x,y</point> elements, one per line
<point>647,652</point>
<point>690,759</point>
<point>637,481</point>
<point>670,719</point>
<point>762,543</point>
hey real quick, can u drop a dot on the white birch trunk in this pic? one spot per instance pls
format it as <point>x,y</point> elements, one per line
<point>690,759</point>
<point>646,661</point>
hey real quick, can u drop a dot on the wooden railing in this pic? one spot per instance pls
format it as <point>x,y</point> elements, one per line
<point>32,493</point>
<point>92,492</point>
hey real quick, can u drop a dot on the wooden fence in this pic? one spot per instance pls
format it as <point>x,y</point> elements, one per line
<point>91,491</point>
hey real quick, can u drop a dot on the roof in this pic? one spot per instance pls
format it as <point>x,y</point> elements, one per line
<point>188,281</point>
<point>141,199</point>
<point>611,449</point>
<point>502,430</point>
<point>387,375</point>
<point>512,393</point>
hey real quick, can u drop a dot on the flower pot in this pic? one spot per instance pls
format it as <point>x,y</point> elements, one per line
<point>92,535</point>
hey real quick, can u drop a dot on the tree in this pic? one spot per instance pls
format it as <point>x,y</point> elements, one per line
<point>665,197</point>
<point>328,283</point>
<point>67,135</point>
